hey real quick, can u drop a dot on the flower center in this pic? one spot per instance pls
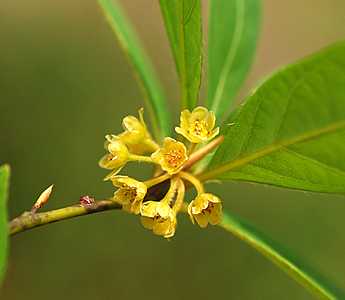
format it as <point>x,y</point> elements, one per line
<point>129,192</point>
<point>208,209</point>
<point>198,128</point>
<point>174,158</point>
<point>111,156</point>
<point>158,218</point>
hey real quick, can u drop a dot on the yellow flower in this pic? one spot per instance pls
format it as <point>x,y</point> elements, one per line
<point>130,193</point>
<point>206,208</point>
<point>171,157</point>
<point>197,126</point>
<point>118,156</point>
<point>143,148</point>
<point>134,129</point>
<point>159,217</point>
<point>136,137</point>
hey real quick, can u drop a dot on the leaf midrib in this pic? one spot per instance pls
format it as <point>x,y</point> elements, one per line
<point>183,71</point>
<point>183,75</point>
<point>250,157</point>
<point>240,5</point>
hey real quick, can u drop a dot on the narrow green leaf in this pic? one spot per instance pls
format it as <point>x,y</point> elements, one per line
<point>233,34</point>
<point>294,264</point>
<point>190,36</point>
<point>145,74</point>
<point>291,132</point>
<point>4,178</point>
<point>183,22</point>
<point>169,10</point>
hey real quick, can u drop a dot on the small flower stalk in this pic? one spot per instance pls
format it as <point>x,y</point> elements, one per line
<point>159,199</point>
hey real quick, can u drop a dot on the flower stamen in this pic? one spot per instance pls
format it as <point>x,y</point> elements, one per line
<point>171,157</point>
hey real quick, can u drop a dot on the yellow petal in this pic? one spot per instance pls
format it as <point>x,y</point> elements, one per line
<point>136,205</point>
<point>162,227</point>
<point>202,219</point>
<point>104,161</point>
<point>216,215</point>
<point>163,209</point>
<point>148,209</point>
<point>185,118</point>
<point>172,228</point>
<point>199,113</point>
<point>210,120</point>
<point>183,132</point>
<point>113,173</point>
<point>171,157</point>
<point>147,222</point>
<point>135,130</point>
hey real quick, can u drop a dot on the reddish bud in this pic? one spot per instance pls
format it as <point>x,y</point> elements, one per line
<point>44,197</point>
<point>86,200</point>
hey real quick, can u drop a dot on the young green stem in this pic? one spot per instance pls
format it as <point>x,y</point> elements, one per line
<point>172,190</point>
<point>30,220</point>
<point>194,181</point>
<point>155,181</point>
<point>151,144</point>
<point>141,158</point>
<point>180,196</point>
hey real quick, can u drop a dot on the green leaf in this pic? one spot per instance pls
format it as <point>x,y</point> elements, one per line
<point>291,132</point>
<point>183,22</point>
<point>169,10</point>
<point>294,264</point>
<point>145,74</point>
<point>233,35</point>
<point>4,178</point>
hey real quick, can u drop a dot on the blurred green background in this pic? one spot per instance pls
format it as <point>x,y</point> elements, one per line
<point>64,84</point>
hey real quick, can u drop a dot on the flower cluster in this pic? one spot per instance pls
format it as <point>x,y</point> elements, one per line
<point>159,199</point>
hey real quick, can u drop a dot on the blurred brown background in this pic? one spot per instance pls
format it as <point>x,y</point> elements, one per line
<point>64,84</point>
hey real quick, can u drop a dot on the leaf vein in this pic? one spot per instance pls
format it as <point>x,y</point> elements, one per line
<point>247,158</point>
<point>314,161</point>
<point>239,26</point>
<point>251,126</point>
<point>189,13</point>
<point>290,93</point>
